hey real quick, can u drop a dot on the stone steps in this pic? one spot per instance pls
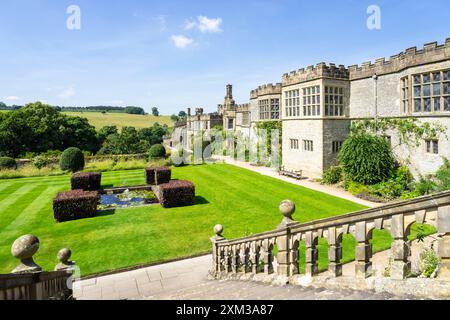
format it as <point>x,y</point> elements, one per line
<point>247,290</point>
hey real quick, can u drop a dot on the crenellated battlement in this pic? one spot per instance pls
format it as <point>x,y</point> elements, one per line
<point>430,53</point>
<point>245,107</point>
<point>321,70</point>
<point>265,90</point>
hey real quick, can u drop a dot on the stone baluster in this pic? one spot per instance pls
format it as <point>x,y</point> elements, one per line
<point>443,224</point>
<point>363,254</point>
<point>216,254</point>
<point>293,257</point>
<point>244,257</point>
<point>254,256</point>
<point>235,263</point>
<point>334,252</point>
<point>227,259</point>
<point>311,254</point>
<point>400,249</point>
<point>24,248</point>
<point>267,256</point>
<point>287,209</point>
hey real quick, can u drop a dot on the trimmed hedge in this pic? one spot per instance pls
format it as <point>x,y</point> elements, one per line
<point>163,175</point>
<point>150,176</point>
<point>72,159</point>
<point>156,176</point>
<point>87,181</point>
<point>74,205</point>
<point>7,163</point>
<point>176,193</point>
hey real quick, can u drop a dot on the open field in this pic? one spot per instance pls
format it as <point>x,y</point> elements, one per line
<point>243,201</point>
<point>99,120</point>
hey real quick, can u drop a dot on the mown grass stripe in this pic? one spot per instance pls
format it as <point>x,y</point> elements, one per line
<point>27,218</point>
<point>11,207</point>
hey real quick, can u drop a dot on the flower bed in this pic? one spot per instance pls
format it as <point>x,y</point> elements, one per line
<point>74,205</point>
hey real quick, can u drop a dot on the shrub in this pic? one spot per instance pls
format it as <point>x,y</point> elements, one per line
<point>72,159</point>
<point>157,151</point>
<point>366,159</point>
<point>7,163</point>
<point>176,193</point>
<point>395,186</point>
<point>74,205</point>
<point>332,175</point>
<point>162,175</point>
<point>443,175</point>
<point>41,162</point>
<point>87,181</point>
<point>425,186</point>
<point>356,188</point>
<point>149,176</point>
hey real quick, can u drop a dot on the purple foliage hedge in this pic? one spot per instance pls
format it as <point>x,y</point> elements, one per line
<point>74,205</point>
<point>87,181</point>
<point>176,193</point>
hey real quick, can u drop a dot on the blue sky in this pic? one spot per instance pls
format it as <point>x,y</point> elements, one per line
<point>175,54</point>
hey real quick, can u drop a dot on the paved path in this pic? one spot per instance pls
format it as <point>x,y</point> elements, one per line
<point>271,172</point>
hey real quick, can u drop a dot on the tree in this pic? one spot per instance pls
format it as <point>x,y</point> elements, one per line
<point>104,132</point>
<point>366,158</point>
<point>182,114</point>
<point>174,118</point>
<point>155,111</point>
<point>128,141</point>
<point>134,110</point>
<point>72,159</point>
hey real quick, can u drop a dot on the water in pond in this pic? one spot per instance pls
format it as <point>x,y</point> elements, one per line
<point>127,199</point>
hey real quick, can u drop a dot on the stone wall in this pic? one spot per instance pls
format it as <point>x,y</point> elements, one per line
<point>310,162</point>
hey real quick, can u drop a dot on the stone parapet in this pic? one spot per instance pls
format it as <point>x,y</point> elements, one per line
<point>266,89</point>
<point>321,70</point>
<point>430,53</point>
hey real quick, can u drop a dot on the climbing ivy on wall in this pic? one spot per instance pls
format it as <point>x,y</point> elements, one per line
<point>411,131</point>
<point>269,126</point>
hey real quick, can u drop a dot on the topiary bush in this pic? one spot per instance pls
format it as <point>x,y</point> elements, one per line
<point>366,158</point>
<point>7,163</point>
<point>332,175</point>
<point>72,159</point>
<point>157,151</point>
<point>74,205</point>
<point>176,193</point>
<point>163,175</point>
<point>87,181</point>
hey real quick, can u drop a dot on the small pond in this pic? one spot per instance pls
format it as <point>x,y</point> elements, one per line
<point>127,199</point>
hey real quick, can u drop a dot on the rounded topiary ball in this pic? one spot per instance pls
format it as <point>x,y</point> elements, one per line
<point>72,159</point>
<point>157,151</point>
<point>7,163</point>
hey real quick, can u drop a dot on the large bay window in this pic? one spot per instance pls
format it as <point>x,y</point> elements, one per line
<point>431,91</point>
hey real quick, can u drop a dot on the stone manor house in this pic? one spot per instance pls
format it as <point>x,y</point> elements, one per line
<point>317,104</point>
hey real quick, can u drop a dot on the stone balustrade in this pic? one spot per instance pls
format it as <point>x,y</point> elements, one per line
<point>28,282</point>
<point>255,254</point>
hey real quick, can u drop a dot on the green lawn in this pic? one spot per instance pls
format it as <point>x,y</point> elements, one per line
<point>243,201</point>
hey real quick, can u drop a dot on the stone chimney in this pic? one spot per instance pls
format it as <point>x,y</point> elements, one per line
<point>229,91</point>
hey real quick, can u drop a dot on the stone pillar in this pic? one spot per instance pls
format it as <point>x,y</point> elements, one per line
<point>400,249</point>
<point>244,258</point>
<point>24,248</point>
<point>216,253</point>
<point>363,254</point>
<point>293,257</point>
<point>334,252</point>
<point>443,224</point>
<point>287,209</point>
<point>311,254</point>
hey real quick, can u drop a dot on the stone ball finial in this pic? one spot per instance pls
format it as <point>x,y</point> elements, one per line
<point>64,255</point>
<point>218,229</point>
<point>25,247</point>
<point>287,208</point>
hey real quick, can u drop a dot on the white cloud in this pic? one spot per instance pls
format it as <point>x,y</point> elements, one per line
<point>181,41</point>
<point>204,24</point>
<point>67,93</point>
<point>209,25</point>
<point>12,98</point>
